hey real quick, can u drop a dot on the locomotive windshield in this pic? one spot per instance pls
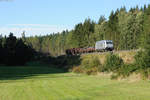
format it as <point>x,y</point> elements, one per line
<point>109,42</point>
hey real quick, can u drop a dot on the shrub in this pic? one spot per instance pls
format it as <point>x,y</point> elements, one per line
<point>92,71</point>
<point>77,69</point>
<point>88,63</point>
<point>142,61</point>
<point>145,73</point>
<point>113,63</point>
<point>126,69</point>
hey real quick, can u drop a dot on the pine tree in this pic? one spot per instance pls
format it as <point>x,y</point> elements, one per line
<point>101,20</point>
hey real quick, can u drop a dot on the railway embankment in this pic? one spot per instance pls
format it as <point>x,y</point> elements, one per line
<point>126,55</point>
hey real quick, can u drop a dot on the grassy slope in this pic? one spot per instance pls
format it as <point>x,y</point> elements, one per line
<point>31,83</point>
<point>127,56</point>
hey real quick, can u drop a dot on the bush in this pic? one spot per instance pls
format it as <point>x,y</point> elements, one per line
<point>126,70</point>
<point>142,61</point>
<point>77,69</point>
<point>92,71</point>
<point>113,63</point>
<point>91,66</point>
<point>88,63</point>
<point>145,73</point>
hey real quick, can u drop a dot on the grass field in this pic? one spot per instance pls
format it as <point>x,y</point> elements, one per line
<point>43,83</point>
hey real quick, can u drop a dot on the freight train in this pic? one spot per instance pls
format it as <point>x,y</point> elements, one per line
<point>100,46</point>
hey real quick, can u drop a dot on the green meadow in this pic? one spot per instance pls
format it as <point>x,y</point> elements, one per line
<point>45,83</point>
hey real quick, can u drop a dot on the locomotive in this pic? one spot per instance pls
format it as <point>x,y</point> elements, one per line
<point>100,46</point>
<point>104,45</point>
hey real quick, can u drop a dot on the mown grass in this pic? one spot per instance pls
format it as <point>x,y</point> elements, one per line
<point>44,83</point>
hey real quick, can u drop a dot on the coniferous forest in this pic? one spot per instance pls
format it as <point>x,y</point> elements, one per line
<point>127,29</point>
<point>14,51</point>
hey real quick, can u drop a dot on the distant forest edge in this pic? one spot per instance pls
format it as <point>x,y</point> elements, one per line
<point>127,29</point>
<point>14,51</point>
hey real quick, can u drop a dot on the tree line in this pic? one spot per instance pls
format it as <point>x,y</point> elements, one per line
<point>127,29</point>
<point>13,51</point>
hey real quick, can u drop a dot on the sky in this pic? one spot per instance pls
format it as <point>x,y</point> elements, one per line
<point>42,17</point>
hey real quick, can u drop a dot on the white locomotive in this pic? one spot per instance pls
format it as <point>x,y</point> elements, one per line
<point>104,45</point>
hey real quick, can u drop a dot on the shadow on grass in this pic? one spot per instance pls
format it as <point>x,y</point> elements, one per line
<point>14,73</point>
<point>67,62</point>
<point>60,64</point>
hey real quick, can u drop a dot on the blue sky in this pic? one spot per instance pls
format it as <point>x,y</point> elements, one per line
<point>40,17</point>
